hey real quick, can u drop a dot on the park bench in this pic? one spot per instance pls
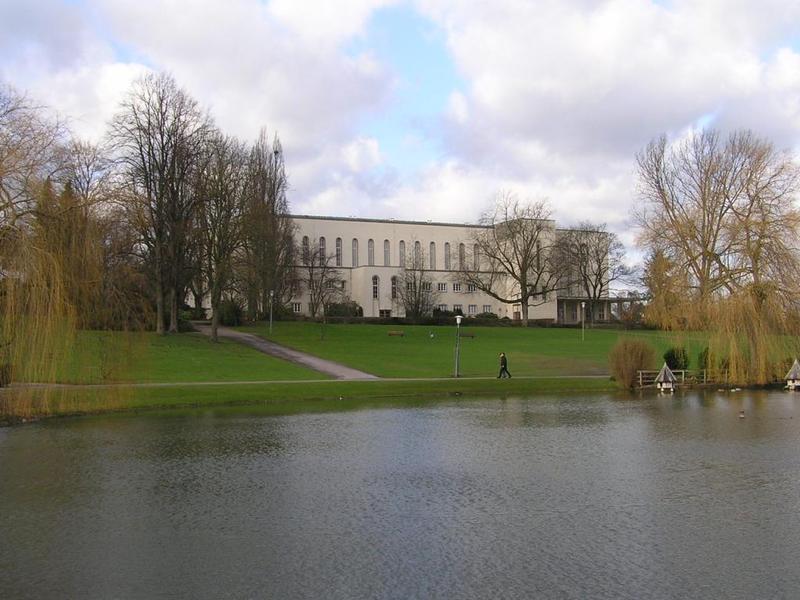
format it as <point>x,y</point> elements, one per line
<point>469,335</point>
<point>397,333</point>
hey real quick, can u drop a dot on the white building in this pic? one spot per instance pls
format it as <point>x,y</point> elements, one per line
<point>369,254</point>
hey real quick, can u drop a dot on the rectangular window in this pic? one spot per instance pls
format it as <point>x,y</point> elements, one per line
<point>384,313</point>
<point>487,308</point>
<point>470,287</point>
<point>342,284</point>
<point>296,307</point>
<point>601,312</point>
<point>458,308</point>
<point>330,284</point>
<point>443,307</point>
<point>472,309</point>
<point>456,287</point>
<point>442,287</point>
<point>426,286</point>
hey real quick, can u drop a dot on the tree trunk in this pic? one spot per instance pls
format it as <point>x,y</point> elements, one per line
<point>198,299</point>
<point>216,296</point>
<point>159,293</point>
<point>214,323</point>
<point>523,307</point>
<point>173,310</point>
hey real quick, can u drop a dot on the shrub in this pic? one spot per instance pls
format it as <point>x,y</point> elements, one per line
<point>487,315</point>
<point>627,357</point>
<point>230,313</point>
<point>349,308</point>
<point>677,358</point>
<point>702,359</point>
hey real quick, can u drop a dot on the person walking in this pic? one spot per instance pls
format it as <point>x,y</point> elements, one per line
<point>503,366</point>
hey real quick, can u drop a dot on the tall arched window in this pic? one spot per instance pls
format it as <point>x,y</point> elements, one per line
<point>394,288</point>
<point>355,252</point>
<point>476,257</point>
<point>370,252</point>
<point>322,251</point>
<point>447,256</point>
<point>432,255</point>
<point>402,253</point>
<point>306,250</point>
<point>461,256</point>
<point>387,253</point>
<point>417,255</point>
<point>375,286</point>
<point>338,252</point>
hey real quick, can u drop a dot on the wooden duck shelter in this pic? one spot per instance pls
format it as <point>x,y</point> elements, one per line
<point>793,377</point>
<point>666,380</point>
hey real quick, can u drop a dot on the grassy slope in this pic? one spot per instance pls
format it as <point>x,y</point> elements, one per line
<point>532,351</point>
<point>187,357</point>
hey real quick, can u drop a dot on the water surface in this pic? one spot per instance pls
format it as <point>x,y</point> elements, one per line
<point>551,497</point>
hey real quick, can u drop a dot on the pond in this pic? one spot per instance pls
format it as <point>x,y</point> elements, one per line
<point>551,497</point>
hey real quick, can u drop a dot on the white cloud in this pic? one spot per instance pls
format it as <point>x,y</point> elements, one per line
<point>561,95</point>
<point>325,22</point>
<point>557,96</point>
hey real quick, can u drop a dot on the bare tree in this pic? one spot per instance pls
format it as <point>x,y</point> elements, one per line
<point>320,278</point>
<point>722,211</point>
<point>268,249</point>
<point>220,220</point>
<point>414,286</point>
<point>596,259</point>
<point>89,172</point>
<point>721,216</point>
<point>518,254</point>
<point>31,151</point>
<point>159,136</point>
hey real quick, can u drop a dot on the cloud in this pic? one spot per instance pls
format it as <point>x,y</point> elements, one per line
<point>252,64</point>
<point>551,99</point>
<point>561,95</point>
<point>325,22</point>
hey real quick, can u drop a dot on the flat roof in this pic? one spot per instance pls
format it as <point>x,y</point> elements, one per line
<point>385,221</point>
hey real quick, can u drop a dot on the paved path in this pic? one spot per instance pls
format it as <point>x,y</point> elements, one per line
<point>321,365</point>
<point>167,384</point>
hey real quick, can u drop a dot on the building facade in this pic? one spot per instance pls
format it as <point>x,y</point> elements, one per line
<point>369,255</point>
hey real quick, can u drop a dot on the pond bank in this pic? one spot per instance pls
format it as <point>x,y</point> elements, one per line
<point>34,402</point>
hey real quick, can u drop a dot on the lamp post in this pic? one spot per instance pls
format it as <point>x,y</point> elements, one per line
<point>458,341</point>
<point>271,295</point>
<point>583,321</point>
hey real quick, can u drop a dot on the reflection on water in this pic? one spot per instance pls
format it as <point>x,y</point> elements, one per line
<point>588,497</point>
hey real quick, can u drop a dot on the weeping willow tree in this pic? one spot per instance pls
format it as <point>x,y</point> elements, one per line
<point>60,276</point>
<point>720,223</point>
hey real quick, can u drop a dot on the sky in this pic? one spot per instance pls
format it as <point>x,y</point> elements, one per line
<point>426,110</point>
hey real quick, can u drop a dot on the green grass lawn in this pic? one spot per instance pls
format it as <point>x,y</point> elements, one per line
<point>531,351</point>
<point>186,357</point>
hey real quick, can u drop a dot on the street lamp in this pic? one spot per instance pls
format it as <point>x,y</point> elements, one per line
<point>271,295</point>
<point>583,321</point>
<point>458,340</point>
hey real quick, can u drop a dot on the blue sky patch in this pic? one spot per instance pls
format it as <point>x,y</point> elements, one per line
<point>415,52</point>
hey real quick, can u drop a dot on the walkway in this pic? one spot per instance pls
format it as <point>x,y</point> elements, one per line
<point>168,384</point>
<point>334,369</point>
